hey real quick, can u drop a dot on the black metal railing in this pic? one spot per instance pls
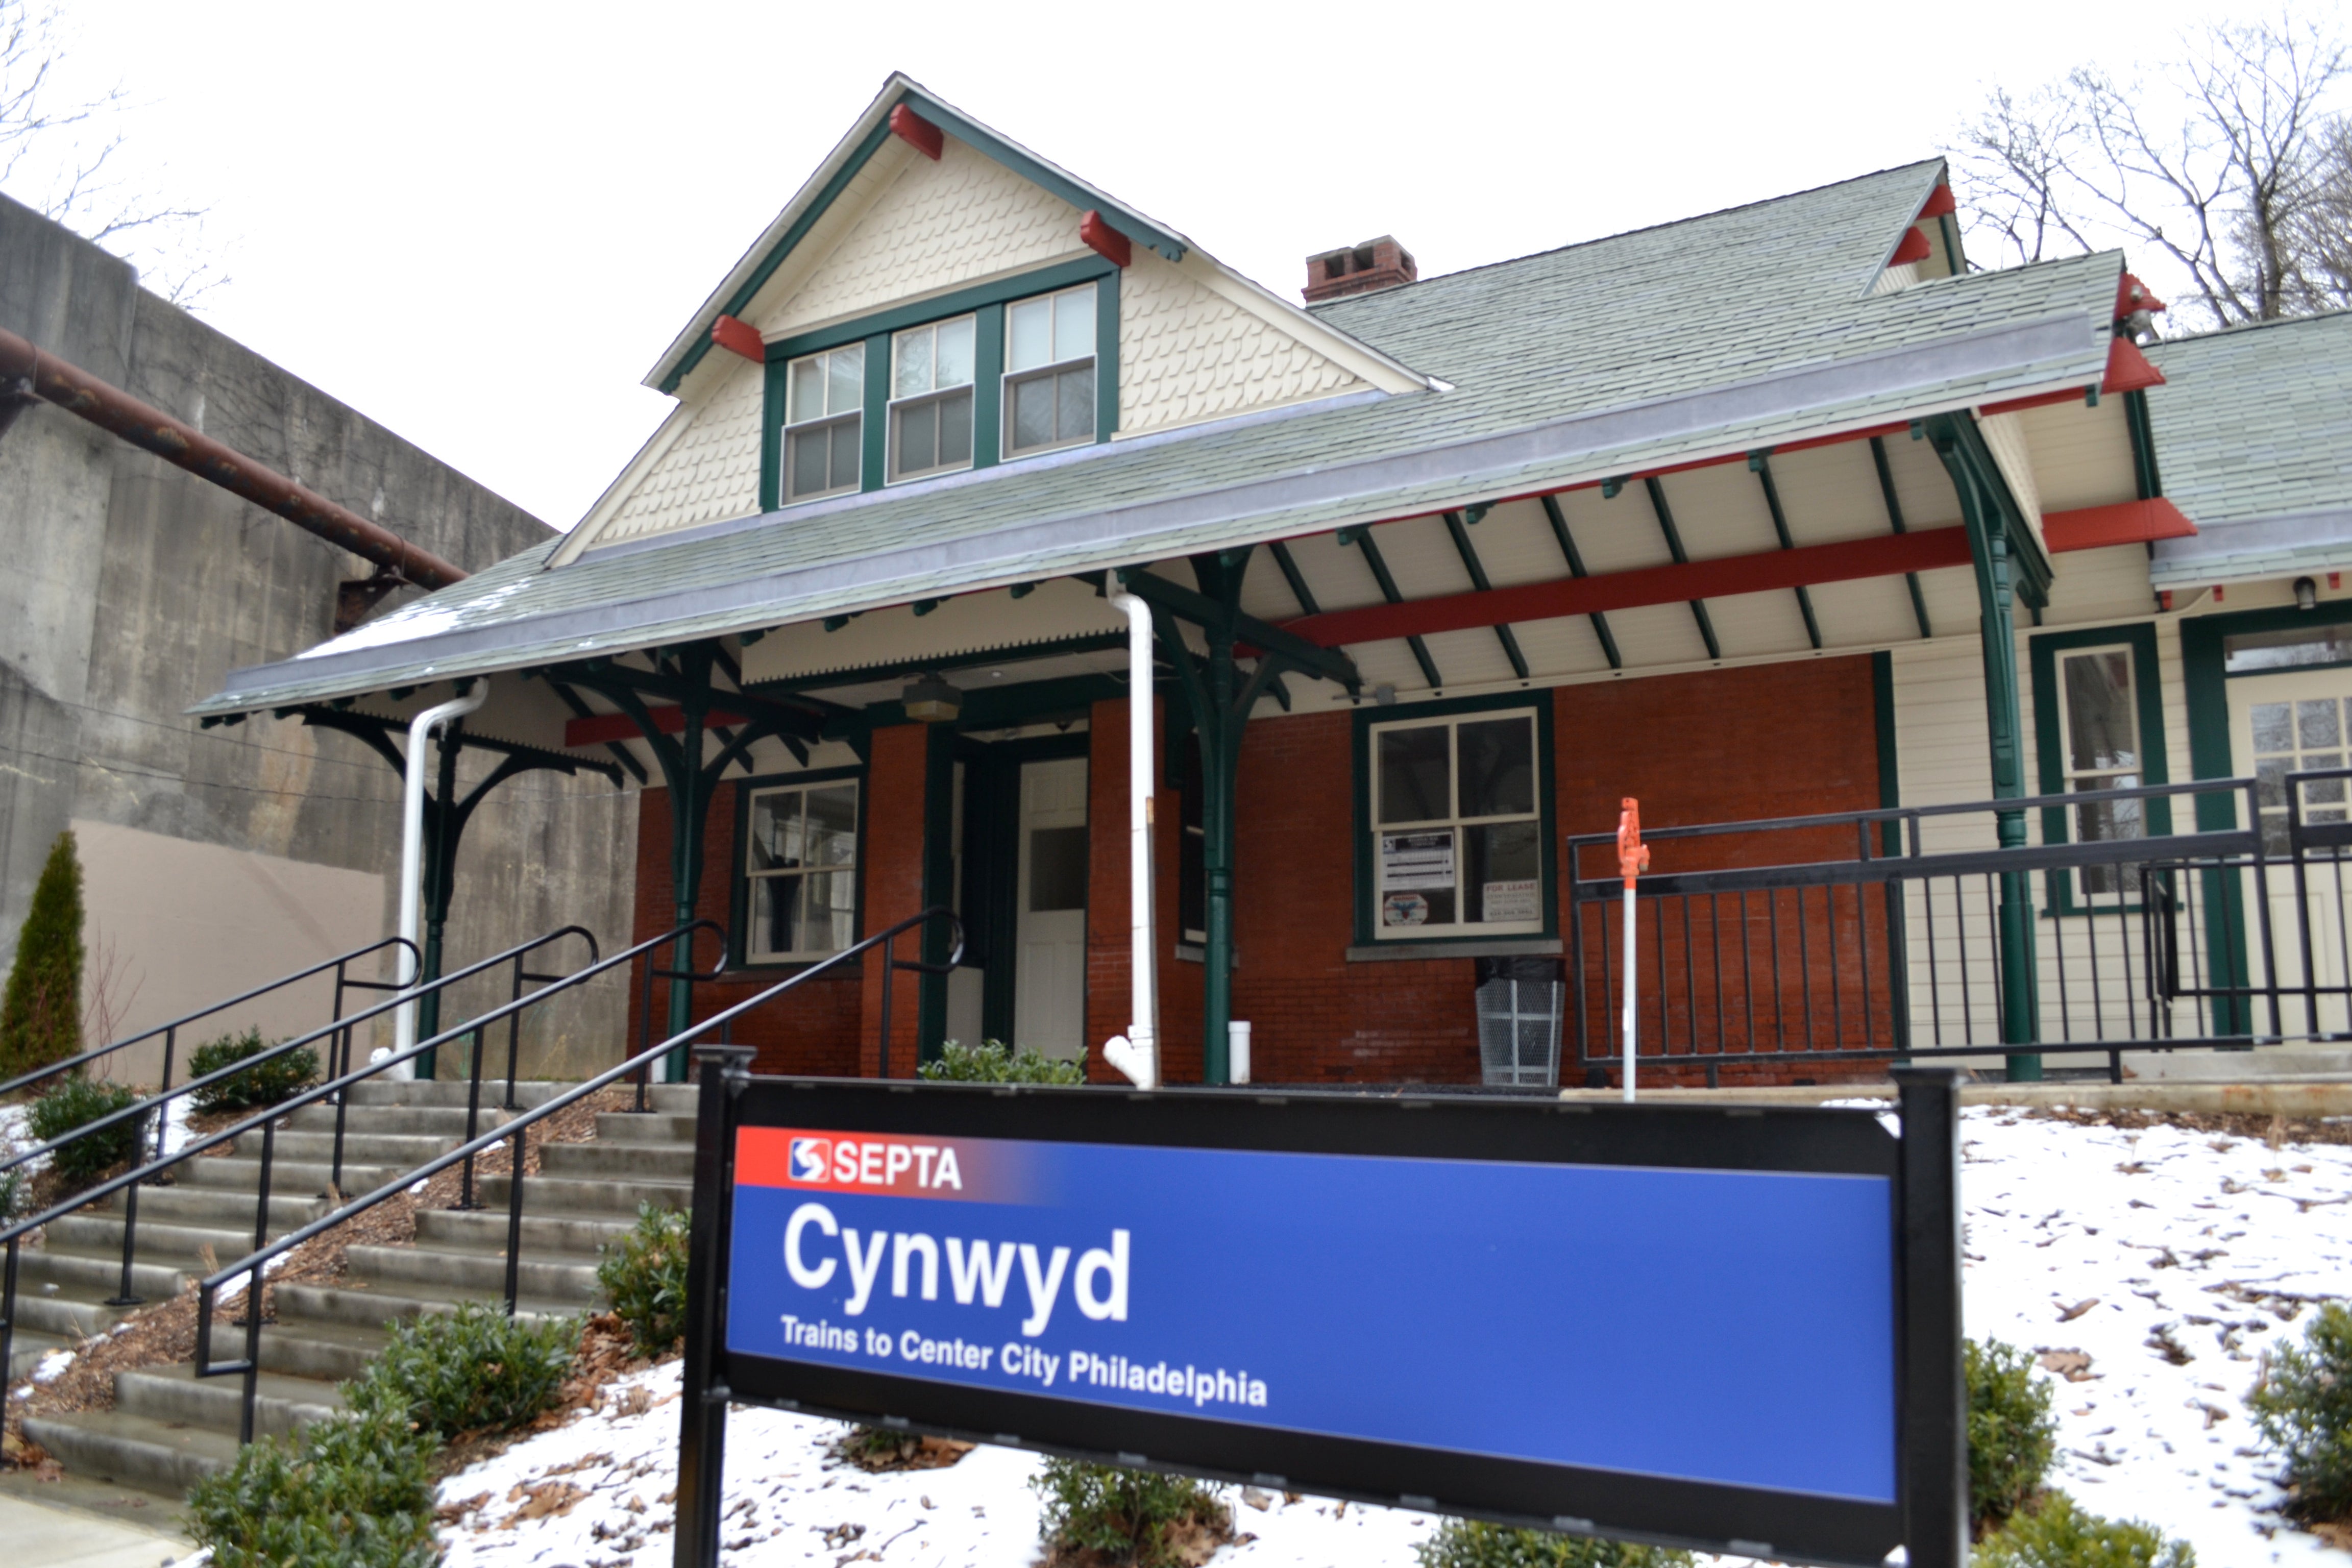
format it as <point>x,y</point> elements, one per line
<point>344,981</point>
<point>152,1171</point>
<point>253,1268</point>
<point>1915,933</point>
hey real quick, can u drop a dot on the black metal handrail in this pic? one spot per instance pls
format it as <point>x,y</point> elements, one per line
<point>130,1182</point>
<point>253,1266</point>
<point>1872,926</point>
<point>171,1031</point>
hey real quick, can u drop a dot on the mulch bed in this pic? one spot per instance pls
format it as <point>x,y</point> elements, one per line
<point>165,1333</point>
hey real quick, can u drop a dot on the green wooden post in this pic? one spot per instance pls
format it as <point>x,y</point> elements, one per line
<point>1989,550</point>
<point>1220,755</point>
<point>442,828</point>
<point>690,813</point>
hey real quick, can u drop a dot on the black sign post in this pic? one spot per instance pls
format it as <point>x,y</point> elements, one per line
<point>1730,1328</point>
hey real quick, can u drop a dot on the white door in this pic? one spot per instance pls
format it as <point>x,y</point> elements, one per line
<point>1049,984</point>
<point>2291,723</point>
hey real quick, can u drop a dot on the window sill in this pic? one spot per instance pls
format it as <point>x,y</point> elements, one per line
<point>767,971</point>
<point>1457,947</point>
<point>1193,952</point>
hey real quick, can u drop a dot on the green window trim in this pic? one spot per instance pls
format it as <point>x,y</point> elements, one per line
<point>986,301</point>
<point>2049,744</point>
<point>739,901</point>
<point>1366,716</point>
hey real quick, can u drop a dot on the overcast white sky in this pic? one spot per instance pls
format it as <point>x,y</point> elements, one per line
<point>480,224</point>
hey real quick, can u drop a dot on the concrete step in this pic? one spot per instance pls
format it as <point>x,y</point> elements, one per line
<point>588,1195</point>
<point>133,1450</point>
<point>619,1162</point>
<point>444,1122</point>
<point>95,1279</point>
<point>27,1348</point>
<point>311,1348</point>
<point>299,1177</point>
<point>218,1208</point>
<point>2313,1063</point>
<point>654,1127</point>
<point>175,1395</point>
<point>450,1091</point>
<point>170,1246</point>
<point>428,1271</point>
<point>362,1145</point>
<point>350,1306</point>
<point>485,1230</point>
<point>47,1309</point>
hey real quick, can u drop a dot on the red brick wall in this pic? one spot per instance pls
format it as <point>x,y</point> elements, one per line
<point>813,1029</point>
<point>894,887</point>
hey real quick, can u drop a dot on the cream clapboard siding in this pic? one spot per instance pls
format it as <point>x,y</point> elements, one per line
<point>1187,354</point>
<point>1943,757</point>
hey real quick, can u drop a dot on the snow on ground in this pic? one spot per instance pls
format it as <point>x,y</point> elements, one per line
<point>2192,1251</point>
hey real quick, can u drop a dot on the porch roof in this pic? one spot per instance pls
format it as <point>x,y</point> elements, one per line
<point>2254,428</point>
<point>1704,339</point>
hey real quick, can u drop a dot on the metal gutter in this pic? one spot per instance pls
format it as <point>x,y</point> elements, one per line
<point>28,372</point>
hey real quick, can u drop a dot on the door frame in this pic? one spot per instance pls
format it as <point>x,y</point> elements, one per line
<point>990,905</point>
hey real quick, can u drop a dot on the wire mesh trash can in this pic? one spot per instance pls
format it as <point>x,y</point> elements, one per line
<point>1521,1003</point>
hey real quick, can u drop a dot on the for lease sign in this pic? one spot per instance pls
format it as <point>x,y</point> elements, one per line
<point>1732,1326</point>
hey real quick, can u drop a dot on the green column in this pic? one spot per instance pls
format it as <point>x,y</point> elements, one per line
<point>442,827</point>
<point>1989,550</point>
<point>1220,755</point>
<point>689,808</point>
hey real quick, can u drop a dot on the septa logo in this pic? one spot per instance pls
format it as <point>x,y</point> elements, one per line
<point>810,1158</point>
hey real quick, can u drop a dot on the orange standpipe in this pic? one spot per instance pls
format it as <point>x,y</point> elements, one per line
<point>1632,859</point>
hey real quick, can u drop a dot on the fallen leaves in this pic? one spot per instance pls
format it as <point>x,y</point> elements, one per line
<point>2074,1366</point>
<point>548,1500</point>
<point>2068,1314</point>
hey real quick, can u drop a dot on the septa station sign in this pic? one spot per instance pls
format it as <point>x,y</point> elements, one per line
<point>1676,1324</point>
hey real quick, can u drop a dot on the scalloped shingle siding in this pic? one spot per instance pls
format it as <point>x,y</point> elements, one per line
<point>1187,354</point>
<point>710,473</point>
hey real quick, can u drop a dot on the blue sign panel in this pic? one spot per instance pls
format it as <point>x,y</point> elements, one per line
<point>1729,1327</point>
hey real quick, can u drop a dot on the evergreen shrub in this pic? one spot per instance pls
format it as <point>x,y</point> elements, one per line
<point>40,1014</point>
<point>2012,1436</point>
<point>476,1370</point>
<point>77,1102</point>
<point>353,1491</point>
<point>2057,1533</point>
<point>2302,1406</point>
<point>992,1061</point>
<point>280,1078</point>
<point>1468,1544</point>
<point>1138,1518</point>
<point>644,1275</point>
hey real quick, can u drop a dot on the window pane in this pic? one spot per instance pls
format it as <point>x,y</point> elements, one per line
<point>2274,727</point>
<point>771,817</point>
<point>2100,730</point>
<point>914,369</point>
<point>1501,879</point>
<point>828,912</point>
<point>807,399</point>
<point>1073,323</point>
<point>1414,783</point>
<point>1075,391</point>
<point>832,826</point>
<point>844,452</point>
<point>2270,780</point>
<point>1033,414</point>
<point>807,462</point>
<point>2315,724</point>
<point>775,913</point>
<point>846,379</point>
<point>1030,324</point>
<point>1498,767</point>
<point>955,428</point>
<point>1057,868</point>
<point>2285,650</point>
<point>954,354</point>
<point>918,437</point>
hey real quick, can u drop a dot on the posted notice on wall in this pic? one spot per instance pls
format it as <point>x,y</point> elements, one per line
<point>1512,901</point>
<point>1417,862</point>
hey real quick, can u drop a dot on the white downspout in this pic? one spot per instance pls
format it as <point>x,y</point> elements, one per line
<point>1136,1052</point>
<point>411,853</point>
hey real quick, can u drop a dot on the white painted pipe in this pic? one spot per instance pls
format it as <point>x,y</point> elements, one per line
<point>1136,1052</point>
<point>411,853</point>
<point>1237,1051</point>
<point>1629,991</point>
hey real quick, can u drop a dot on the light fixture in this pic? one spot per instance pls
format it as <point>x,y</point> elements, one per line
<point>2307,593</point>
<point>1385,694</point>
<point>931,700</point>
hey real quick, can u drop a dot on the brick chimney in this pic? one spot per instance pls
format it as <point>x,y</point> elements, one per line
<point>1376,264</point>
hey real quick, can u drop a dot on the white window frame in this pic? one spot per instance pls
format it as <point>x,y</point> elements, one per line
<point>1012,378</point>
<point>936,394</point>
<point>2078,780</point>
<point>1456,823</point>
<point>831,418</point>
<point>752,876</point>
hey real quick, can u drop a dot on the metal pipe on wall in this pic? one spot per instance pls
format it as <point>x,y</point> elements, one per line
<point>1136,1052</point>
<point>26,370</point>
<point>412,852</point>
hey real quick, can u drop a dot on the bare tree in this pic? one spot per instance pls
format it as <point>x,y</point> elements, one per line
<point>62,157</point>
<point>2221,164</point>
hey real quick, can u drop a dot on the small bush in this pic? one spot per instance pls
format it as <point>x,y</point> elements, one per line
<point>2302,1406</point>
<point>40,1012</point>
<point>2012,1436</point>
<point>353,1491</point>
<point>1137,1518</point>
<point>475,1371</point>
<point>992,1061</point>
<point>2058,1534</point>
<point>77,1102</point>
<point>1467,1543</point>
<point>264,1083</point>
<point>644,1275</point>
